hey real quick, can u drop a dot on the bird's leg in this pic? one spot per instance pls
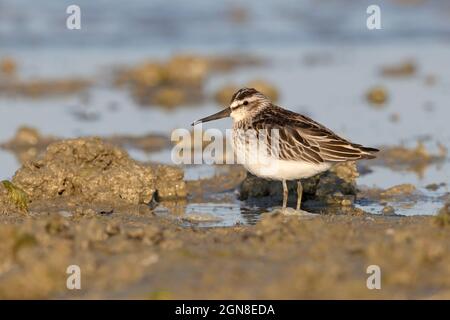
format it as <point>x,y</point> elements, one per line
<point>285,194</point>
<point>299,194</point>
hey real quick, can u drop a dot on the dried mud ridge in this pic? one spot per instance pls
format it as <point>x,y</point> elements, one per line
<point>90,171</point>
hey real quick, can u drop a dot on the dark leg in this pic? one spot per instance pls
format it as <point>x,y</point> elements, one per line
<point>285,194</point>
<point>299,194</point>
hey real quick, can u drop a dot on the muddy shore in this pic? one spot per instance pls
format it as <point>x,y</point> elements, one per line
<point>140,255</point>
<point>58,211</point>
<point>144,228</point>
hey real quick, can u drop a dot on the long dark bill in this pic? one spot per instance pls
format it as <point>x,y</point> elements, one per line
<point>219,115</point>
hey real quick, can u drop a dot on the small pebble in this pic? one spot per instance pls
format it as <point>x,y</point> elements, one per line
<point>377,96</point>
<point>388,210</point>
<point>201,217</point>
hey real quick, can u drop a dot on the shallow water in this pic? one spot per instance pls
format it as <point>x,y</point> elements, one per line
<point>175,24</point>
<point>347,61</point>
<point>333,94</point>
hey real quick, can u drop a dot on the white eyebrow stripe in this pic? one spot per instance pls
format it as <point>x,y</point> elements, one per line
<point>249,99</point>
<point>234,104</point>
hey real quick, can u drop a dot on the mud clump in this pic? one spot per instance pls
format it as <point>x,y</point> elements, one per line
<point>12,198</point>
<point>443,216</point>
<point>388,211</point>
<point>11,84</point>
<point>398,190</point>
<point>161,84</point>
<point>27,143</point>
<point>405,194</point>
<point>409,159</point>
<point>336,186</point>
<point>169,182</point>
<point>91,170</point>
<point>44,87</point>
<point>377,96</point>
<point>224,94</point>
<point>407,68</point>
<point>177,81</point>
<point>8,67</point>
<point>435,186</point>
<point>170,97</point>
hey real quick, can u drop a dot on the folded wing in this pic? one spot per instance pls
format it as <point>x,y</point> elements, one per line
<point>291,136</point>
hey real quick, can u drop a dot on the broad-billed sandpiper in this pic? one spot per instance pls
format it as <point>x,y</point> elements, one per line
<point>303,147</point>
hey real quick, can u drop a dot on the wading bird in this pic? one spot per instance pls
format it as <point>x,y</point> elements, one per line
<point>293,146</point>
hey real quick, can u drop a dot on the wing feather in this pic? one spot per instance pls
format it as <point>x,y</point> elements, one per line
<point>303,139</point>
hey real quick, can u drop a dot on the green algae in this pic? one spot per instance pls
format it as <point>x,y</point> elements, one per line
<point>17,196</point>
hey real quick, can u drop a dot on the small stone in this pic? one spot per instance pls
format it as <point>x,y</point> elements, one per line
<point>434,186</point>
<point>388,210</point>
<point>57,224</point>
<point>8,66</point>
<point>346,202</point>
<point>112,228</point>
<point>85,212</point>
<point>377,96</point>
<point>390,232</point>
<point>201,217</point>
<point>401,189</point>
<point>151,259</point>
<point>65,213</point>
<point>136,233</point>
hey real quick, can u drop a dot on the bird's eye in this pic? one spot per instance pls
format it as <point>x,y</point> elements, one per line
<point>245,103</point>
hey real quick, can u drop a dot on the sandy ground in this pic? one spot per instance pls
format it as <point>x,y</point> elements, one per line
<point>140,255</point>
<point>85,202</point>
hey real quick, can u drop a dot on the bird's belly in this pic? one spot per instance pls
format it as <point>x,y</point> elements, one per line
<point>266,166</point>
<point>286,169</point>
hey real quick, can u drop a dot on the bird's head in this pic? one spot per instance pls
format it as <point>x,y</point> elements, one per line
<point>245,103</point>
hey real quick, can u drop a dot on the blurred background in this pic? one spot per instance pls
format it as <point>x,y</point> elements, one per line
<point>138,70</point>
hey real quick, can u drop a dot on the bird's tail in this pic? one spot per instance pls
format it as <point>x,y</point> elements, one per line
<point>366,152</point>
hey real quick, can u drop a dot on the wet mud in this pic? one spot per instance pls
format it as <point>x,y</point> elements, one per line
<point>141,229</point>
<point>85,202</point>
<point>140,255</point>
<point>88,170</point>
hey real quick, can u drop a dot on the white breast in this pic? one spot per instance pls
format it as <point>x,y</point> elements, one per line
<point>260,163</point>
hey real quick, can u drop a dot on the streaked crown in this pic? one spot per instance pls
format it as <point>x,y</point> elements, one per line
<point>247,102</point>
